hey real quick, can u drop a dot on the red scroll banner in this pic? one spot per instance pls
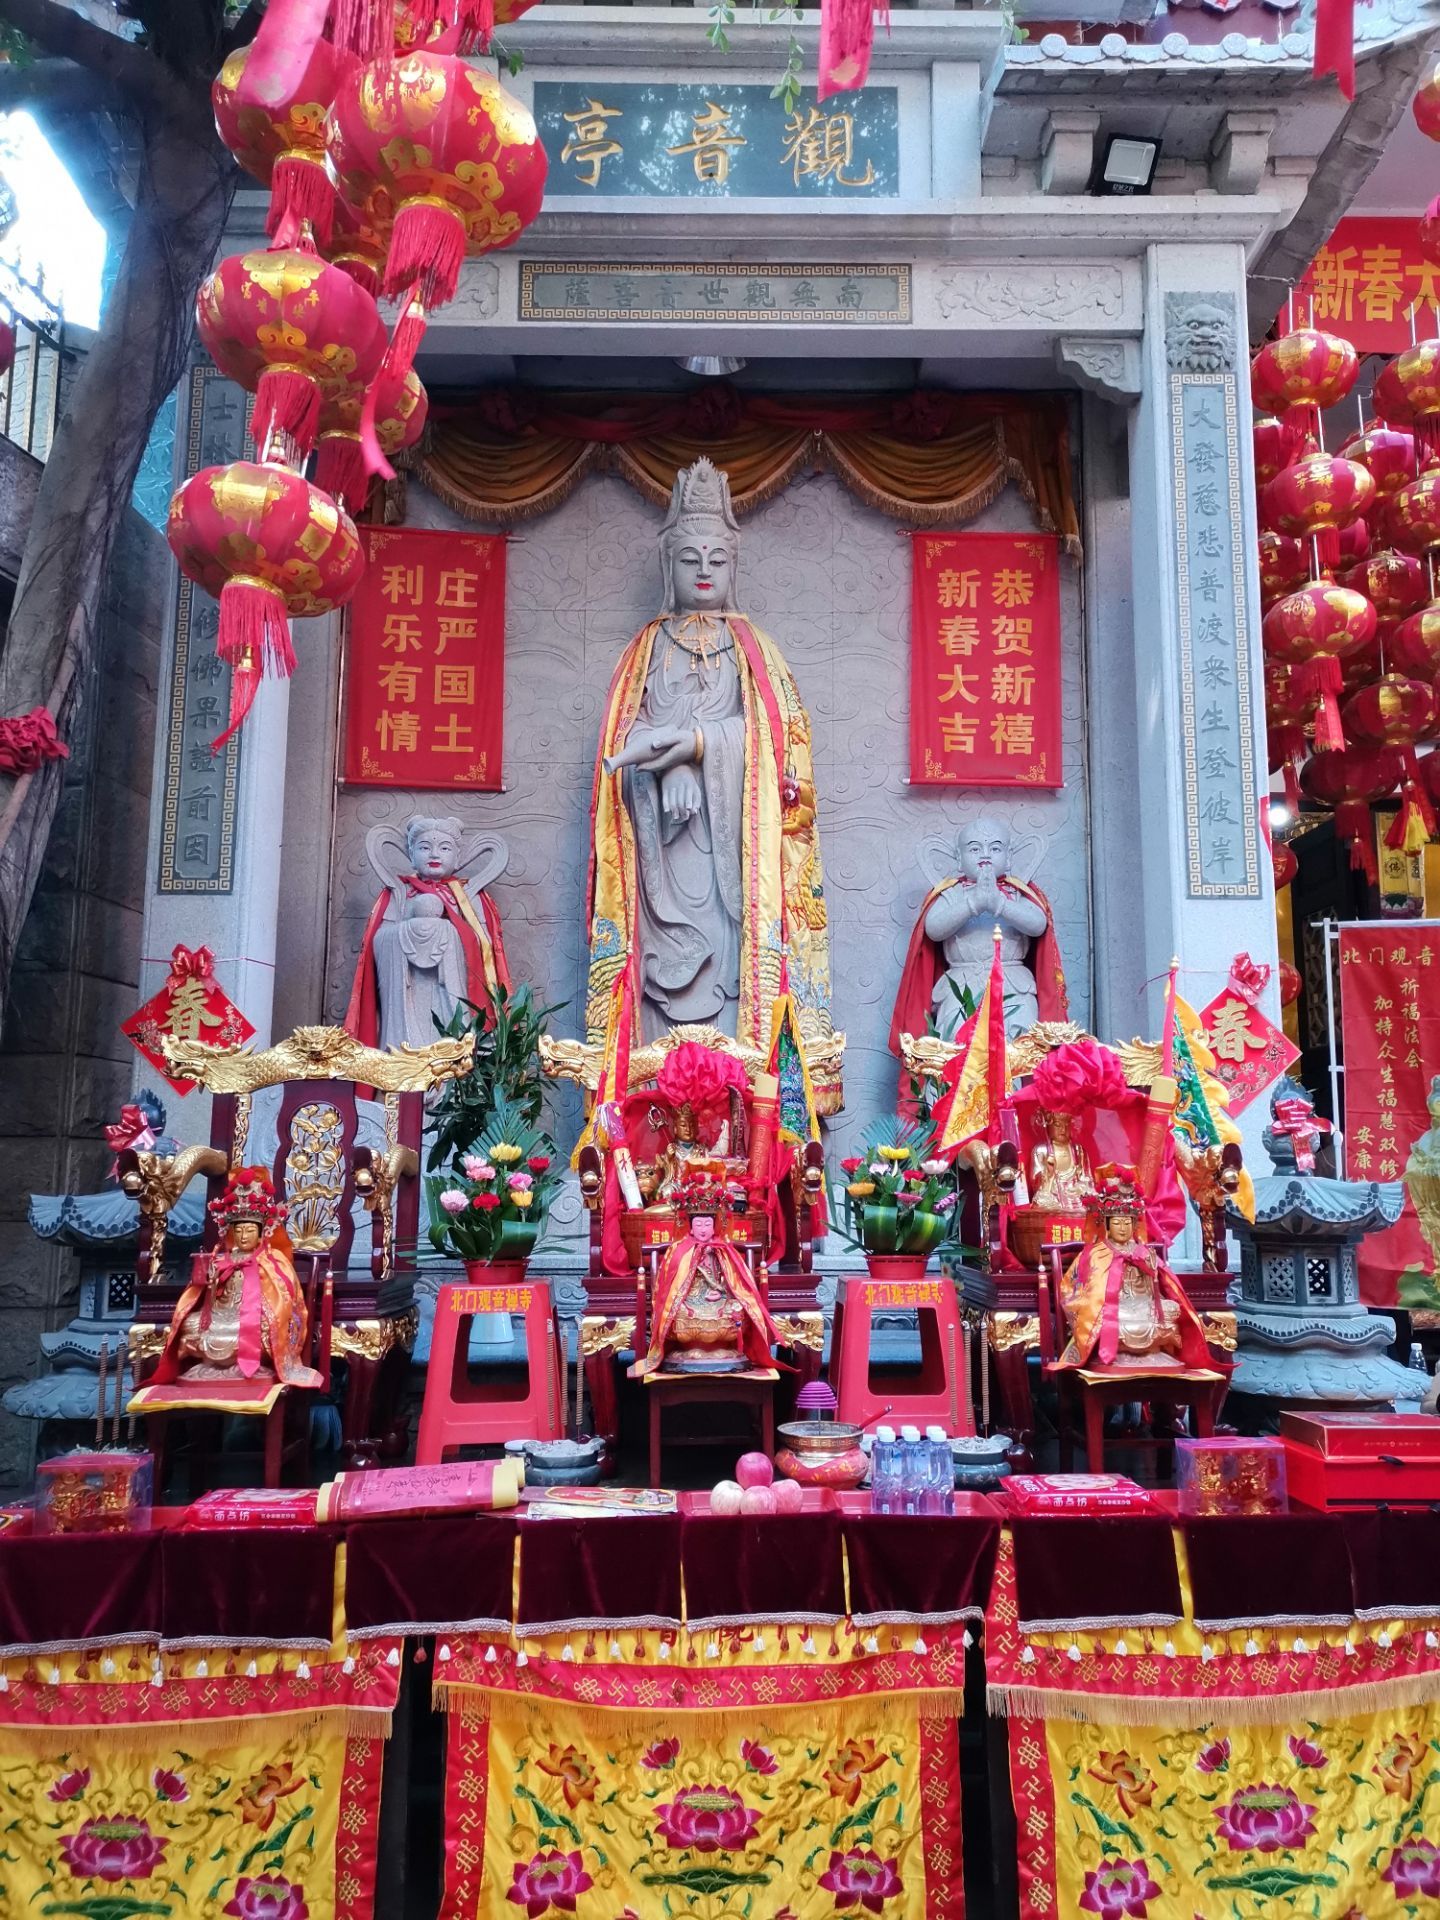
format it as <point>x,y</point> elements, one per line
<point>1390,1014</point>
<point>985,660</point>
<point>426,661</point>
<point>1367,283</point>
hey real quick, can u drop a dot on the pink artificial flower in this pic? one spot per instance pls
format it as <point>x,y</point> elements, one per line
<point>475,1167</point>
<point>520,1182</point>
<point>453,1200</point>
<point>758,1759</point>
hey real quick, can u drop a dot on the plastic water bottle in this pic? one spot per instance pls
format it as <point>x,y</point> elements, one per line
<point>1417,1357</point>
<point>885,1495</point>
<point>914,1469</point>
<point>940,1481</point>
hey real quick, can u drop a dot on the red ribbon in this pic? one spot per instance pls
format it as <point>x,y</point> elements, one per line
<point>1297,1121</point>
<point>29,739</point>
<point>132,1130</point>
<point>188,964</point>
<point>1248,978</point>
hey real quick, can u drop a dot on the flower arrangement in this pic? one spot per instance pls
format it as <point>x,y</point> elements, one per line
<point>491,1204</point>
<point>898,1197</point>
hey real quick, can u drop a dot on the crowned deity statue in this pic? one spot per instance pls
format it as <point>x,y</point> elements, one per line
<point>1060,1177</point>
<point>243,1315</point>
<point>433,936</point>
<point>952,944</point>
<point>1124,1306</point>
<point>706,889</point>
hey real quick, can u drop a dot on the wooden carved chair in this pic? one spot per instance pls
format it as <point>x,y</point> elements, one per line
<point>330,1179</point>
<point>612,1319</point>
<point>1082,1396</point>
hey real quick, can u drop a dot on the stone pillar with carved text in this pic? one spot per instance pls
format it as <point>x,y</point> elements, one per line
<point>1202,870</point>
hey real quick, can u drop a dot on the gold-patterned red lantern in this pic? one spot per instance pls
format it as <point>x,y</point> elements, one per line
<point>1358,669</point>
<point>292,330</point>
<point>1316,627</point>
<point>269,546</point>
<point>1387,455</point>
<point>1407,394</point>
<point>1400,712</point>
<point>1426,104</point>
<point>1349,782</point>
<point>439,156</point>
<point>1277,443</point>
<point>357,250</point>
<point>340,460</point>
<point>1284,564</point>
<point>442,26</point>
<point>1394,583</point>
<point>1289,710</point>
<point>1353,543</point>
<point>1284,863</point>
<point>1304,372</point>
<point>1415,645</point>
<point>1315,498</point>
<point>1414,513</point>
<point>282,143</point>
<point>1429,232</point>
<point>1289,976</point>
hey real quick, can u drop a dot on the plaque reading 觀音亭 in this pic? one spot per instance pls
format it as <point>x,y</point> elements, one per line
<point>758,294</point>
<point>1217,720</point>
<point>985,660</point>
<point>425,661</point>
<point>729,140</point>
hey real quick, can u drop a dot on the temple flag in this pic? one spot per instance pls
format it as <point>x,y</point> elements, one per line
<point>978,1077</point>
<point>788,1063</point>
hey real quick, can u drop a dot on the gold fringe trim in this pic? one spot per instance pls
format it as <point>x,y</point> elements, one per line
<point>370,1723</point>
<point>1231,1710</point>
<point>963,506</point>
<point>506,513</point>
<point>477,1703</point>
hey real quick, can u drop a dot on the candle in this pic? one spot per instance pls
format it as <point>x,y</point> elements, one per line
<point>100,1394</point>
<point>985,1377</point>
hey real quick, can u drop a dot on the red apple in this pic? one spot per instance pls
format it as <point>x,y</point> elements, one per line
<point>789,1496</point>
<point>758,1500</point>
<point>754,1470</point>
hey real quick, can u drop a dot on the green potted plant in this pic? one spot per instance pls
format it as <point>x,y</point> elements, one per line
<point>489,1207</point>
<point>898,1199</point>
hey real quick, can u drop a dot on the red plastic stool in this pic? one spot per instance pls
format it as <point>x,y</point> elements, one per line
<point>938,1394</point>
<point>458,1413</point>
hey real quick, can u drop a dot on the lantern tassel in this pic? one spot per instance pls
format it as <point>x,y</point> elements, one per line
<point>300,190</point>
<point>427,244</point>
<point>847,36</point>
<point>466,24</point>
<point>362,271</point>
<point>1427,438</point>
<point>286,401</point>
<point>254,639</point>
<point>399,359</point>
<point>340,469</point>
<point>1355,827</point>
<point>365,28</point>
<point>1327,548</point>
<point>1327,682</point>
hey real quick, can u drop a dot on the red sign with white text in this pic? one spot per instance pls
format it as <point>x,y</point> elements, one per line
<point>425,689</point>
<point>1365,284</point>
<point>985,660</point>
<point>1390,1015</point>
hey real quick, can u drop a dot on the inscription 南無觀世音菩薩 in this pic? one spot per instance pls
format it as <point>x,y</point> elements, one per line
<point>756,294</point>
<point>661,140</point>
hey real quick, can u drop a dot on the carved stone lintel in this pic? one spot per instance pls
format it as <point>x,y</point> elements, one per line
<point>1110,368</point>
<point>1200,332</point>
<point>1045,296</point>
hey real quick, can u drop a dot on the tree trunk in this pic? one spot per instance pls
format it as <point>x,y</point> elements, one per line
<point>49,653</point>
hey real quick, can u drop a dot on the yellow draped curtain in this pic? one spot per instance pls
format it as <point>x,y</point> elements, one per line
<point>928,459</point>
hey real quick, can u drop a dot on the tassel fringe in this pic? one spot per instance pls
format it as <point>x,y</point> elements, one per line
<point>473,1704</point>
<point>361,270</point>
<point>286,401</point>
<point>254,639</point>
<point>300,191</point>
<point>201,1736</point>
<point>365,27</point>
<point>340,470</point>
<point>427,245</point>
<point>399,359</point>
<point>1244,1710</point>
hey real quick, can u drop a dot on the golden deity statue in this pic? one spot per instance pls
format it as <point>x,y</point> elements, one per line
<point>1060,1177</point>
<point>1126,1309</point>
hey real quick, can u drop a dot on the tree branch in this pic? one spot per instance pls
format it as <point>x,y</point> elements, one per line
<point>128,68</point>
<point>60,85</point>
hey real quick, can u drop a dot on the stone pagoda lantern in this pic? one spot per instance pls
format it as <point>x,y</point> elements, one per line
<point>1302,1333</point>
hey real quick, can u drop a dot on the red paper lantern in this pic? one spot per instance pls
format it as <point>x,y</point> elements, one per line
<point>1387,455</point>
<point>1400,712</point>
<point>1426,104</point>
<point>1415,644</point>
<point>1318,496</point>
<point>433,24</point>
<point>1348,782</point>
<point>1393,583</point>
<point>294,331</point>
<point>1317,626</point>
<point>1358,669</point>
<point>267,544</point>
<point>1353,543</point>
<point>438,155</point>
<point>1289,977</point>
<point>340,460</point>
<point>1306,371</point>
<point>1284,863</point>
<point>1284,564</point>
<point>1277,443</point>
<point>282,144</point>
<point>1414,514</point>
<point>1429,232</point>
<point>356,250</point>
<point>1407,394</point>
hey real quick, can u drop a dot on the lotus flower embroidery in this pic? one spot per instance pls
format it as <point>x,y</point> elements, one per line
<point>113,1849</point>
<point>1413,1870</point>
<point>709,1819</point>
<point>1265,1819</point>
<point>1118,1890</point>
<point>549,1880</point>
<point>861,1879</point>
<point>267,1897</point>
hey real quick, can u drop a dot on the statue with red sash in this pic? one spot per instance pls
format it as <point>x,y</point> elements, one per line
<point>1124,1306</point>
<point>433,937</point>
<point>953,942</point>
<point>242,1319</point>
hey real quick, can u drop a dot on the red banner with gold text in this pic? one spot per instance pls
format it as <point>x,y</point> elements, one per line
<point>425,671</point>
<point>1390,1013</point>
<point>985,660</point>
<point>1368,281</point>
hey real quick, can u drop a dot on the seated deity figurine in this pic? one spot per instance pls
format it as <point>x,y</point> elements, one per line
<point>1124,1306</point>
<point>708,1315</point>
<point>433,937</point>
<point>1060,1177</point>
<point>243,1316</point>
<point>953,941</point>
